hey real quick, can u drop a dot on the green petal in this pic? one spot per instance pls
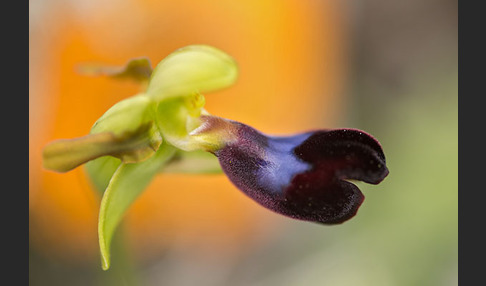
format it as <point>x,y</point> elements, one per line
<point>127,183</point>
<point>66,154</point>
<point>195,162</point>
<point>192,69</point>
<point>126,131</point>
<point>138,69</point>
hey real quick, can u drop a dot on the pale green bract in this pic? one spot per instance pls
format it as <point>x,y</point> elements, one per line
<point>147,133</point>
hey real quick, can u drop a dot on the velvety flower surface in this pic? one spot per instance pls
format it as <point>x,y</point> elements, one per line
<point>304,176</point>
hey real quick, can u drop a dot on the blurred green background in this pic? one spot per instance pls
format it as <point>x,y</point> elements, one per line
<point>401,86</point>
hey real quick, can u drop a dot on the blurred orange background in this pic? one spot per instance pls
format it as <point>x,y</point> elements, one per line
<point>387,67</point>
<point>292,57</point>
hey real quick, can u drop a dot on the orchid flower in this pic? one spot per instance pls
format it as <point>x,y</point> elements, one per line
<point>165,128</point>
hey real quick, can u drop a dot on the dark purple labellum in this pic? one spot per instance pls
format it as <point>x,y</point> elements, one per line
<point>304,176</point>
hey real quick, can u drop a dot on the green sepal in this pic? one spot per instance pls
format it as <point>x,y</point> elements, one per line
<point>192,69</point>
<point>126,184</point>
<point>101,170</point>
<point>132,120</point>
<point>195,162</point>
<point>125,116</point>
